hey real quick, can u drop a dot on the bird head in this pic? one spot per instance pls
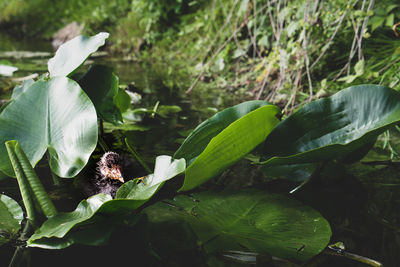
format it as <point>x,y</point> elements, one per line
<point>109,166</point>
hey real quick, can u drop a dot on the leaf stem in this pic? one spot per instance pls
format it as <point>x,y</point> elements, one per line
<point>136,155</point>
<point>352,256</point>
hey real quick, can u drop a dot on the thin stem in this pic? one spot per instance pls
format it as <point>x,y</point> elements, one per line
<point>138,158</point>
<point>352,256</point>
<point>21,251</point>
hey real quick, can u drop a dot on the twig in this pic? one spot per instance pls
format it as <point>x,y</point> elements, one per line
<point>305,45</point>
<point>364,25</point>
<point>394,29</point>
<point>330,39</point>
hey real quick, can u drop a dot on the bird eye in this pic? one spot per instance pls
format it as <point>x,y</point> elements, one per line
<point>109,165</point>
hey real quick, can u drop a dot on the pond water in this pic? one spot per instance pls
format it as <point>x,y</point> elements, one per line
<point>361,202</point>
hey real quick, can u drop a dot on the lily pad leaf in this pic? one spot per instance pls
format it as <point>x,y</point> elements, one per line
<point>197,141</point>
<point>334,127</point>
<point>58,226</point>
<point>11,216</point>
<point>101,85</point>
<point>230,145</point>
<point>260,222</point>
<point>55,115</point>
<point>73,53</point>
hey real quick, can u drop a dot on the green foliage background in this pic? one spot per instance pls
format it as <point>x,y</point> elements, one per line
<point>287,52</point>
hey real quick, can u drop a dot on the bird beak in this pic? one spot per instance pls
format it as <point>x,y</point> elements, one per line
<point>116,175</point>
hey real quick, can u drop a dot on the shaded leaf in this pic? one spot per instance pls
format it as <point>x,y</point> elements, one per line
<point>11,216</point>
<point>56,115</point>
<point>230,145</point>
<point>101,85</point>
<point>333,127</point>
<point>59,225</point>
<point>122,100</point>
<point>73,53</point>
<point>260,222</point>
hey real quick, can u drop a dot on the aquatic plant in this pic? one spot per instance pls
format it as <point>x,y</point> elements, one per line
<point>342,127</point>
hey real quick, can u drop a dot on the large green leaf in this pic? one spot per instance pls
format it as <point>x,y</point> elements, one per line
<point>101,85</point>
<point>259,221</point>
<point>54,114</point>
<point>53,232</point>
<point>197,141</point>
<point>73,53</point>
<point>333,127</point>
<point>64,229</point>
<point>11,217</point>
<point>230,145</point>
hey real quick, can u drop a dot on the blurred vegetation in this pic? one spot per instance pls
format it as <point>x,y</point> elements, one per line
<point>285,51</point>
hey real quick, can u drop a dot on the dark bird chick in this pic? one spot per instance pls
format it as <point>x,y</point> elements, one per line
<point>108,177</point>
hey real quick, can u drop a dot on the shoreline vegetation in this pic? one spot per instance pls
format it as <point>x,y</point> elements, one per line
<point>287,52</point>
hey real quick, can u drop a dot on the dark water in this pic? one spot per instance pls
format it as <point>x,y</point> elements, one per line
<point>361,202</point>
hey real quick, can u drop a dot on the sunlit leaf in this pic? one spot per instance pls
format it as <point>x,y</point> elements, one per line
<point>30,186</point>
<point>254,220</point>
<point>21,88</point>
<point>197,141</point>
<point>73,53</point>
<point>55,115</point>
<point>165,169</point>
<point>230,145</point>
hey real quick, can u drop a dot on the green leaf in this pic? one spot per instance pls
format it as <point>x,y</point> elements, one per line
<point>101,85</point>
<point>122,100</point>
<point>359,68</point>
<point>73,53</point>
<point>255,220</point>
<point>29,182</point>
<point>131,195</point>
<point>59,225</point>
<point>56,115</point>
<point>197,141</point>
<point>96,233</point>
<point>21,88</point>
<point>11,216</point>
<point>164,170</point>
<point>64,229</point>
<point>230,145</point>
<point>333,127</point>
